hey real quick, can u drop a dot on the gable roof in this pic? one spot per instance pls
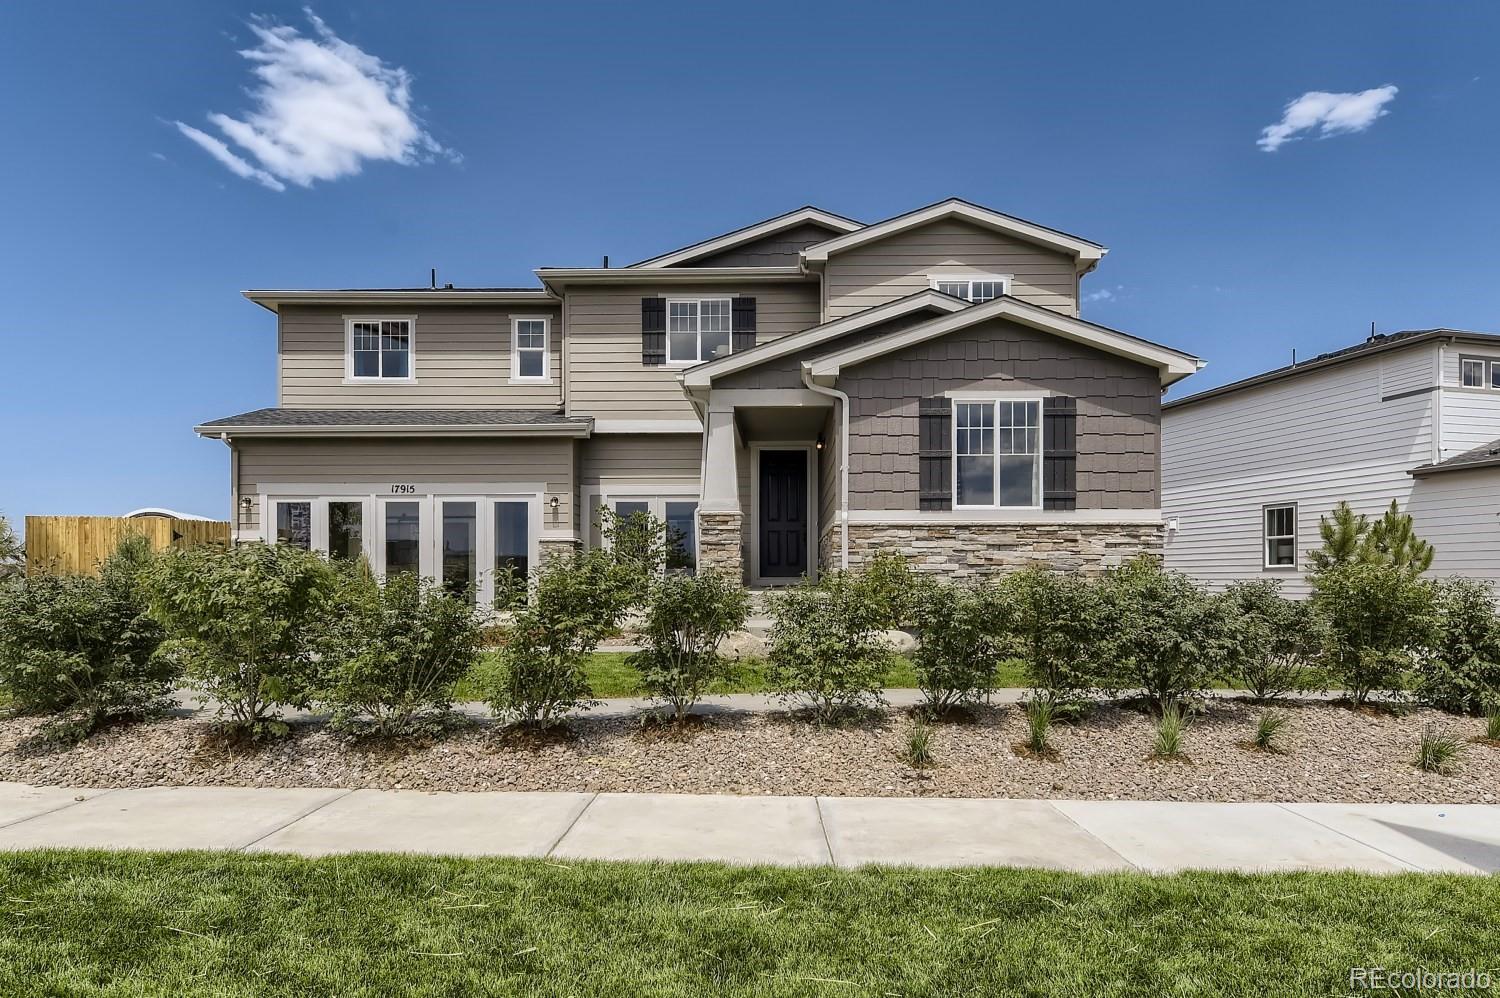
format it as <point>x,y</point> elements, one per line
<point>758,230</point>
<point>703,375</point>
<point>1172,365</point>
<point>1483,456</point>
<point>1085,253</point>
<point>273,300</point>
<point>398,422</point>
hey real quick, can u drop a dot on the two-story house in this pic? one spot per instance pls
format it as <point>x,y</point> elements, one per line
<point>1249,468</point>
<point>801,392</point>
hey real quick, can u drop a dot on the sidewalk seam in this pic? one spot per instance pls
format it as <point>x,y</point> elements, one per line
<point>62,807</point>
<point>576,818</point>
<point>1359,842</point>
<point>833,859</point>
<point>293,820</point>
<point>1074,822</point>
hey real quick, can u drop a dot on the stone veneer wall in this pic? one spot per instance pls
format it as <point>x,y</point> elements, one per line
<point>972,550</point>
<point>720,544</point>
<point>547,550</point>
<point>829,548</point>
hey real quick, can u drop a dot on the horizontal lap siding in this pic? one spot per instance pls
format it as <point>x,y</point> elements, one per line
<point>339,463</point>
<point>667,458</point>
<point>1455,513</point>
<point>1118,411</point>
<point>899,265</point>
<point>606,376</point>
<point>462,361</point>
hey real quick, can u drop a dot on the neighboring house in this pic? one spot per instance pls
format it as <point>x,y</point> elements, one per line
<point>802,392</point>
<point>1249,468</point>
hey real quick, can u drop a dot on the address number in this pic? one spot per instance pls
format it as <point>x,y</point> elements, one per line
<point>403,490</point>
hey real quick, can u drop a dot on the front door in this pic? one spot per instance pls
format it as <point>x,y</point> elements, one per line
<point>783,514</point>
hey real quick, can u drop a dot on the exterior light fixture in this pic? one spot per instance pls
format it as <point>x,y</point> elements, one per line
<point>554,502</point>
<point>820,441</point>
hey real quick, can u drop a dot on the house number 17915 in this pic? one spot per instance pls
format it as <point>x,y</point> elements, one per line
<point>403,490</point>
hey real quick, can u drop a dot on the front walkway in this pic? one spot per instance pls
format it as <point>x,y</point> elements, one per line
<point>1088,836</point>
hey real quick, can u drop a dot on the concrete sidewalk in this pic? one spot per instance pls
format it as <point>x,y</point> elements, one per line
<point>1088,836</point>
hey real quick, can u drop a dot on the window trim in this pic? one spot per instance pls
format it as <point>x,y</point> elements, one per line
<point>1266,537</point>
<point>698,329</point>
<point>934,279</point>
<point>411,350</point>
<point>954,402</point>
<point>545,378</point>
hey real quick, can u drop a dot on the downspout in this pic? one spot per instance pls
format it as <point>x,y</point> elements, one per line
<point>843,401</point>
<point>234,488</point>
<point>1437,401</point>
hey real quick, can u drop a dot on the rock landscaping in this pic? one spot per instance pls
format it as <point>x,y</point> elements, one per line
<point>1331,753</point>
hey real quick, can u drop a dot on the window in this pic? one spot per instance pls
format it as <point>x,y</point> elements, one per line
<point>294,524</point>
<point>512,553</point>
<point>976,288</point>
<point>1473,373</point>
<point>1495,374</point>
<point>345,530</point>
<point>460,548</point>
<point>380,349</point>
<point>682,548</point>
<point>679,513</point>
<point>1281,536</point>
<point>698,329</point>
<point>997,453</point>
<point>403,535</point>
<point>528,349</point>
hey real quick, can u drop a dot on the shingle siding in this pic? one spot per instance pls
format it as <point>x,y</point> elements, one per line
<point>778,250</point>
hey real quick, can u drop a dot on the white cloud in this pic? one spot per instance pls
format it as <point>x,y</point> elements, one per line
<point>1103,294</point>
<point>322,107</point>
<point>1331,114</point>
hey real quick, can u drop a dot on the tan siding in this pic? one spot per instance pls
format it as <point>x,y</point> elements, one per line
<point>605,373</point>
<point>899,265</point>
<point>462,361</point>
<point>348,466</point>
<point>647,458</point>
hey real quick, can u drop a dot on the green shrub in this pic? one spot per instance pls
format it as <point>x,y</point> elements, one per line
<point>1168,637</point>
<point>1169,732</point>
<point>1492,722</point>
<point>392,652</point>
<point>577,601</point>
<point>686,617</point>
<point>83,649</point>
<point>244,623</point>
<point>1268,730</point>
<point>919,744</point>
<point>1438,750</point>
<point>827,652</point>
<point>12,553</point>
<point>1350,538</point>
<point>891,588</point>
<point>962,630</point>
<point>640,545</point>
<point>1274,639</point>
<point>1461,672</point>
<point>1380,619</point>
<point>1039,716</point>
<point>1057,627</point>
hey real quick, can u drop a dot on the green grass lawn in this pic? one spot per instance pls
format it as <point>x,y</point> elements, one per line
<point>204,924</point>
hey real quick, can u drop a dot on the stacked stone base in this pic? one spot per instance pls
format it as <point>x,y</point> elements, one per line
<point>720,544</point>
<point>978,550</point>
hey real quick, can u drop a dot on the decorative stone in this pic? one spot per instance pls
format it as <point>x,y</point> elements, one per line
<point>977,550</point>
<point>741,645</point>
<point>899,642</point>
<point>719,544</point>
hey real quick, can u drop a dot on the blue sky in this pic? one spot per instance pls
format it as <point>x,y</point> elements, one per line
<point>551,135</point>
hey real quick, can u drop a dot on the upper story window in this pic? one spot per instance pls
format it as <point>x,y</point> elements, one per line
<point>997,454</point>
<point>1478,372</point>
<point>971,287</point>
<point>1280,533</point>
<point>698,329</point>
<point>379,348</point>
<point>529,356</point>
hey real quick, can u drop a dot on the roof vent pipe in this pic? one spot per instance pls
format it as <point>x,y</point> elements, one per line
<point>606,261</point>
<point>434,279</point>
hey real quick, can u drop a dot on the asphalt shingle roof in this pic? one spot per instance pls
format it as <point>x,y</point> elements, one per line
<point>400,417</point>
<point>1483,456</point>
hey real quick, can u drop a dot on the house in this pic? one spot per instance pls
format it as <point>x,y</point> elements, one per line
<point>796,394</point>
<point>1249,468</point>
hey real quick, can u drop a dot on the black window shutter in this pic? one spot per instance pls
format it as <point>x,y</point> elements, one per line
<point>744,324</point>
<point>653,331</point>
<point>935,453</point>
<point>1059,453</point>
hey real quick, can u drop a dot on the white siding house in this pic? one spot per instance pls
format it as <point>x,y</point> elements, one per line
<point>1249,468</point>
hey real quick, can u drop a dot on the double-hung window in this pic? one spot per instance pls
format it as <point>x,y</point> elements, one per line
<point>1279,527</point>
<point>975,288</point>
<point>698,329</point>
<point>1479,372</point>
<point>379,348</point>
<point>997,456</point>
<point>528,348</point>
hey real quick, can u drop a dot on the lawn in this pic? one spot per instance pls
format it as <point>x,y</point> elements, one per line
<point>143,924</point>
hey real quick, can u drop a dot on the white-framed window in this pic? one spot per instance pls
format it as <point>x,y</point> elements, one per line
<point>698,329</point>
<point>530,358</point>
<point>997,453</point>
<point>678,511</point>
<point>1495,374</point>
<point>380,348</point>
<point>971,287</point>
<point>1279,530</point>
<point>1471,372</point>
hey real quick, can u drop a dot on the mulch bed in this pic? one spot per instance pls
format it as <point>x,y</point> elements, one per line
<point>1331,753</point>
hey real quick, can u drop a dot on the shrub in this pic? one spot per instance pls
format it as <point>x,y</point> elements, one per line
<point>12,553</point>
<point>639,544</point>
<point>891,588</point>
<point>962,631</point>
<point>1268,730</point>
<point>685,619</point>
<point>1461,673</point>
<point>83,649</point>
<point>1169,731</point>
<point>577,601</point>
<point>1274,639</point>
<point>1168,637</point>
<point>1379,620</point>
<point>1039,711</point>
<point>1057,627</point>
<point>1438,750</point>
<point>1350,538</point>
<point>826,648</point>
<point>244,622</point>
<point>392,652</point>
<point>1492,722</point>
<point>919,745</point>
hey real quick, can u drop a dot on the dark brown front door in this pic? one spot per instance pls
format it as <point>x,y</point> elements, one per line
<point>783,514</point>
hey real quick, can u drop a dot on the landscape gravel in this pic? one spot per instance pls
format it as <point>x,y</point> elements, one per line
<point>1332,753</point>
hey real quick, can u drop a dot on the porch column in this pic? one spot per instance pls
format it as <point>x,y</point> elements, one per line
<point>719,514</point>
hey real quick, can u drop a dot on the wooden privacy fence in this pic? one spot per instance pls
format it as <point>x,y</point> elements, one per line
<point>77,545</point>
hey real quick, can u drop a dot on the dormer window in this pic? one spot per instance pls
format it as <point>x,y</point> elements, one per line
<point>971,287</point>
<point>379,348</point>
